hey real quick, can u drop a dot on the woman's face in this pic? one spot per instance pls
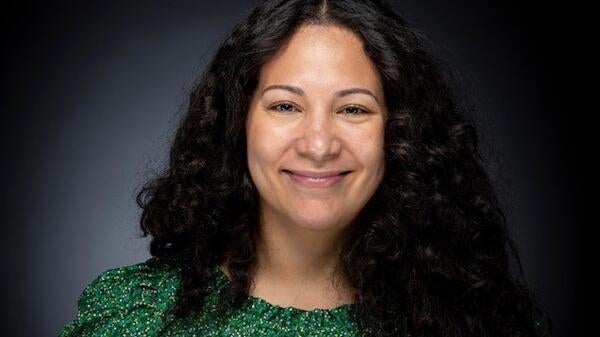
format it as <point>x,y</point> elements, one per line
<point>319,106</point>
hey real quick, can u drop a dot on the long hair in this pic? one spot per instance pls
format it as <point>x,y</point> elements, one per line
<point>429,254</point>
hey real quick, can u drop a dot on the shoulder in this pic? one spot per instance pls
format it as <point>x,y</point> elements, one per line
<point>153,274</point>
<point>128,301</point>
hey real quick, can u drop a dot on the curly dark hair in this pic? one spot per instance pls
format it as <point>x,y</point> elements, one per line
<point>432,254</point>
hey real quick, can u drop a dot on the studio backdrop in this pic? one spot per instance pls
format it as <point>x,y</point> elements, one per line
<point>93,92</point>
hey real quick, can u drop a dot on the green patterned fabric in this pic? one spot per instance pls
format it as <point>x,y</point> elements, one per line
<point>134,301</point>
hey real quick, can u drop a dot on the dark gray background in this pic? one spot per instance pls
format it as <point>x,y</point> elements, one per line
<point>91,94</point>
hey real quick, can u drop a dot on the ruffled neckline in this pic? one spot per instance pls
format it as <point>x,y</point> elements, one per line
<point>262,305</point>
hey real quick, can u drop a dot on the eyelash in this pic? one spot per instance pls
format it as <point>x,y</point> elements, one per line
<point>364,111</point>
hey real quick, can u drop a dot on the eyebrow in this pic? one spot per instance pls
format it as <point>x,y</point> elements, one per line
<point>298,91</point>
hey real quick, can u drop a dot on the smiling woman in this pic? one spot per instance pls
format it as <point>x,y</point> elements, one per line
<point>315,167</point>
<point>325,181</point>
<point>296,159</point>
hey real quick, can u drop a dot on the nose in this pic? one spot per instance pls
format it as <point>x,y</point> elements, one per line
<point>319,139</point>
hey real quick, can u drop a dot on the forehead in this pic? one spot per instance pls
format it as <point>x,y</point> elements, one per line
<point>322,56</point>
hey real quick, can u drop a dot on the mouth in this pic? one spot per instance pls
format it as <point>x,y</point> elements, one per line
<point>315,179</point>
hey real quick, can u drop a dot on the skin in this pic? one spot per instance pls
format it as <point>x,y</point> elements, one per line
<point>301,228</point>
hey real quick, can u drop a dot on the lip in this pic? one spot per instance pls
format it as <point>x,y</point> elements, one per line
<point>317,174</point>
<point>316,179</point>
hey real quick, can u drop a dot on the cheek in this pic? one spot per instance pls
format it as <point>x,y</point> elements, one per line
<point>259,157</point>
<point>367,145</point>
<point>261,149</point>
<point>373,159</point>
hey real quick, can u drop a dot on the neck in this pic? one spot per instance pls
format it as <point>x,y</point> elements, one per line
<point>299,266</point>
<point>293,255</point>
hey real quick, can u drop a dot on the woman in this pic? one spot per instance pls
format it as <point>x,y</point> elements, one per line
<point>324,182</point>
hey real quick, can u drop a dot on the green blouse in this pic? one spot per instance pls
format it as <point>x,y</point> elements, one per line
<point>134,301</point>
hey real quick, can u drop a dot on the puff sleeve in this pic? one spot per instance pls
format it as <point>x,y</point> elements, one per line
<point>125,301</point>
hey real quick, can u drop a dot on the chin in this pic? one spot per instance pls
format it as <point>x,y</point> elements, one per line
<point>326,223</point>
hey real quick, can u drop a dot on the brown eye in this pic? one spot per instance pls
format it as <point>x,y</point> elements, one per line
<point>283,107</point>
<point>355,111</point>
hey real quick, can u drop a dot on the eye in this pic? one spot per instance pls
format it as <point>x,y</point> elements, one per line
<point>355,110</point>
<point>287,107</point>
